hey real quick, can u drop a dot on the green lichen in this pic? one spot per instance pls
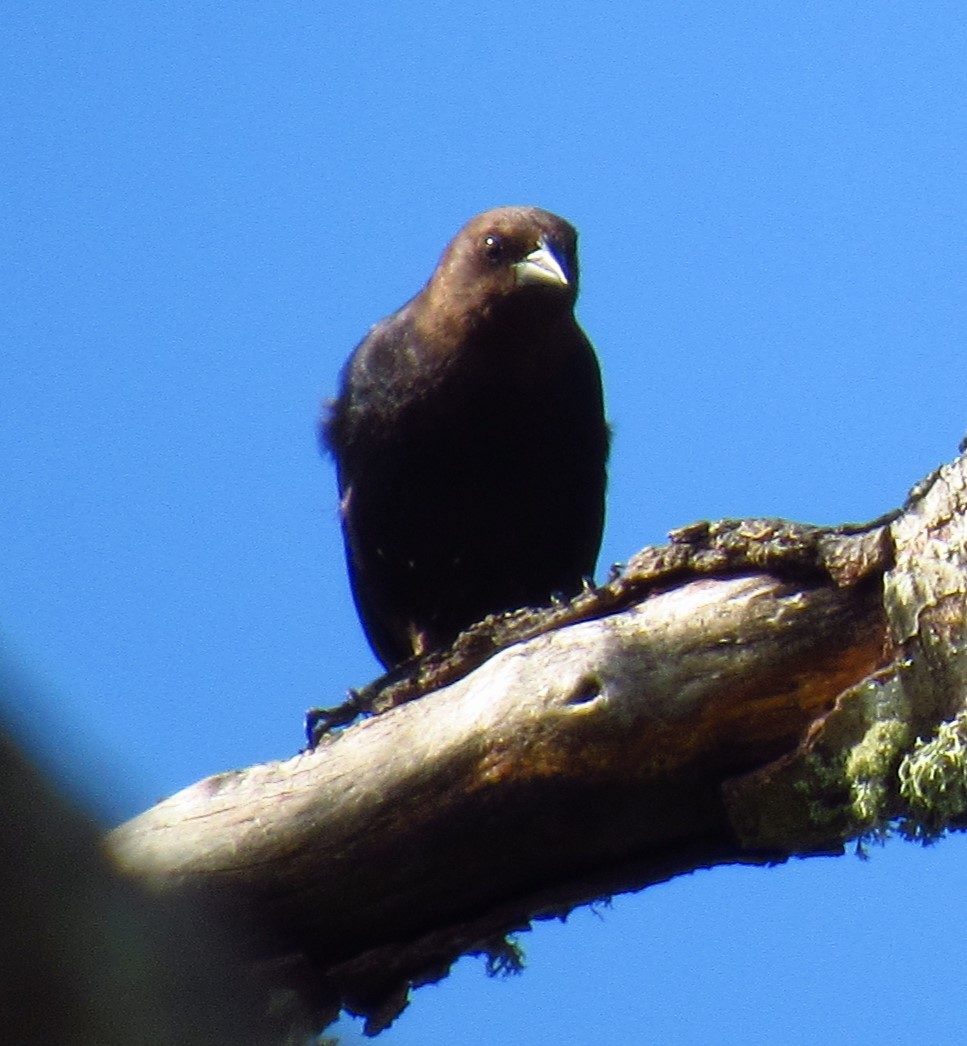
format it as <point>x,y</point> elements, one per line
<point>822,776</point>
<point>871,767</point>
<point>933,781</point>
<point>847,785</point>
<point>870,742</point>
<point>504,956</point>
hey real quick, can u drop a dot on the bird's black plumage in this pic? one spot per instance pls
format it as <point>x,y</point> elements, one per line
<point>470,440</point>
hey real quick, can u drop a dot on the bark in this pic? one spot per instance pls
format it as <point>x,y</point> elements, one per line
<point>753,690</point>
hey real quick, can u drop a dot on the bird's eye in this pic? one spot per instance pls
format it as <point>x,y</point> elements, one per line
<point>493,247</point>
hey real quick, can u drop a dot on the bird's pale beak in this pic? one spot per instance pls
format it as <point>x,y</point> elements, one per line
<point>542,267</point>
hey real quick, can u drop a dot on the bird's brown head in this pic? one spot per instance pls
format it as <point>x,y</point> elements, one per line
<point>508,262</point>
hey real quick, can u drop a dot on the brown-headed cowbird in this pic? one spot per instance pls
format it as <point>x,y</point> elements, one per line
<point>470,440</point>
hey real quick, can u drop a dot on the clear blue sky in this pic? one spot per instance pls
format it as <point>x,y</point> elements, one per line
<point>204,208</point>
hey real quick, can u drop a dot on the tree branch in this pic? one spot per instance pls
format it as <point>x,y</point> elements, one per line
<point>755,689</point>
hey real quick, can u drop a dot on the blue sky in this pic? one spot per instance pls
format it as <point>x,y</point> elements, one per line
<point>206,205</point>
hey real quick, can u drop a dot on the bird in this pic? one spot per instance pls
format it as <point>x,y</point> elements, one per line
<point>470,440</point>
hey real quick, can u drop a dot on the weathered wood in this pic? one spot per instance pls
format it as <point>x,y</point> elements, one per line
<point>724,699</point>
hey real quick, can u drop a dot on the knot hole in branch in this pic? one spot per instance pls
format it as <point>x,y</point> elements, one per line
<point>589,688</point>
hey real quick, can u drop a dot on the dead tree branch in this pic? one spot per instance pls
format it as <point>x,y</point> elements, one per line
<point>753,690</point>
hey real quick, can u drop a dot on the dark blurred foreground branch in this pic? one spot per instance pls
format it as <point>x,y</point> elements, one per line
<point>87,958</point>
<point>754,690</point>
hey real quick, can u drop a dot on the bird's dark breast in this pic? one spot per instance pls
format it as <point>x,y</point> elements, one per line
<point>473,487</point>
